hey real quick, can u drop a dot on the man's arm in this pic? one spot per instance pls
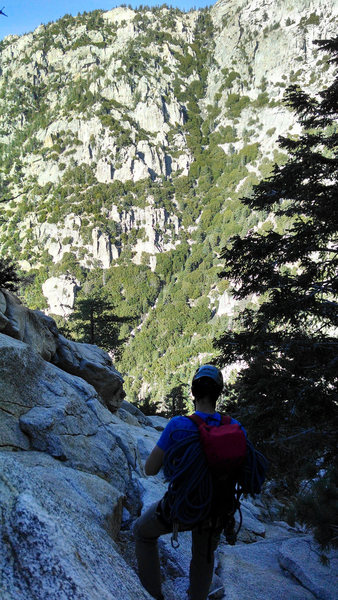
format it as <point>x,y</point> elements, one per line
<point>154,461</point>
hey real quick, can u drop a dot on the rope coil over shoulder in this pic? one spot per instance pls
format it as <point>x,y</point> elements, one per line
<point>254,471</point>
<point>190,489</point>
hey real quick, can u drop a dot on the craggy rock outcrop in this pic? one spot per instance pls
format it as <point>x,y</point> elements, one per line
<point>52,411</point>
<point>39,331</point>
<point>57,533</point>
<point>30,326</point>
<point>67,467</point>
<point>60,293</point>
<point>95,366</point>
<point>299,557</point>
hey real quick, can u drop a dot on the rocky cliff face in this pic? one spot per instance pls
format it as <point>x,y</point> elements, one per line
<point>115,99</point>
<point>260,48</point>
<point>72,483</point>
<point>39,331</point>
<point>127,138</point>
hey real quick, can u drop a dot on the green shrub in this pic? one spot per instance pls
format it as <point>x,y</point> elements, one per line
<point>261,100</point>
<point>235,103</point>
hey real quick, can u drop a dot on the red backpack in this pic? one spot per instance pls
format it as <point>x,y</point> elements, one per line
<point>224,446</point>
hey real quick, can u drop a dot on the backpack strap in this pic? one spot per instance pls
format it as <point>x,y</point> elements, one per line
<point>195,419</point>
<point>225,419</point>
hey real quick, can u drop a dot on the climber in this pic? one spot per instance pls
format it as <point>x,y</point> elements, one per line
<point>207,385</point>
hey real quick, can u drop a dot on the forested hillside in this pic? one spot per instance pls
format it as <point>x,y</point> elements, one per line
<point>127,141</point>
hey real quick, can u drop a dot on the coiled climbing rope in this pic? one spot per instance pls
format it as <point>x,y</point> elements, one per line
<point>254,471</point>
<point>185,463</point>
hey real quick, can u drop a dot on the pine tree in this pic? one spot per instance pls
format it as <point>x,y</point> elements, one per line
<point>94,322</point>
<point>9,279</point>
<point>176,401</point>
<point>287,391</point>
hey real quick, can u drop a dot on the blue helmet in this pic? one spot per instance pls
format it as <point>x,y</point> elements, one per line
<point>211,372</point>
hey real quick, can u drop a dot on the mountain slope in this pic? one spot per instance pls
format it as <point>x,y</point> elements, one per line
<point>127,140</point>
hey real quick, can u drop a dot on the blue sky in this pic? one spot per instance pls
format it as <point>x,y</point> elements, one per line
<point>25,15</point>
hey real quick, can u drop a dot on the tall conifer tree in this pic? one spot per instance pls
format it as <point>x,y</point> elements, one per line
<point>9,279</point>
<point>287,392</point>
<point>94,321</point>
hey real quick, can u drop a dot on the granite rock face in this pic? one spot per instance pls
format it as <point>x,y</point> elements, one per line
<point>299,557</point>
<point>40,333</point>
<point>72,483</point>
<point>52,411</point>
<point>60,293</point>
<point>30,326</point>
<point>95,366</point>
<point>57,533</point>
<point>67,468</point>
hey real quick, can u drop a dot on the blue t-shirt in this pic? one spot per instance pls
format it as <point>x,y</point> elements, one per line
<point>182,426</point>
